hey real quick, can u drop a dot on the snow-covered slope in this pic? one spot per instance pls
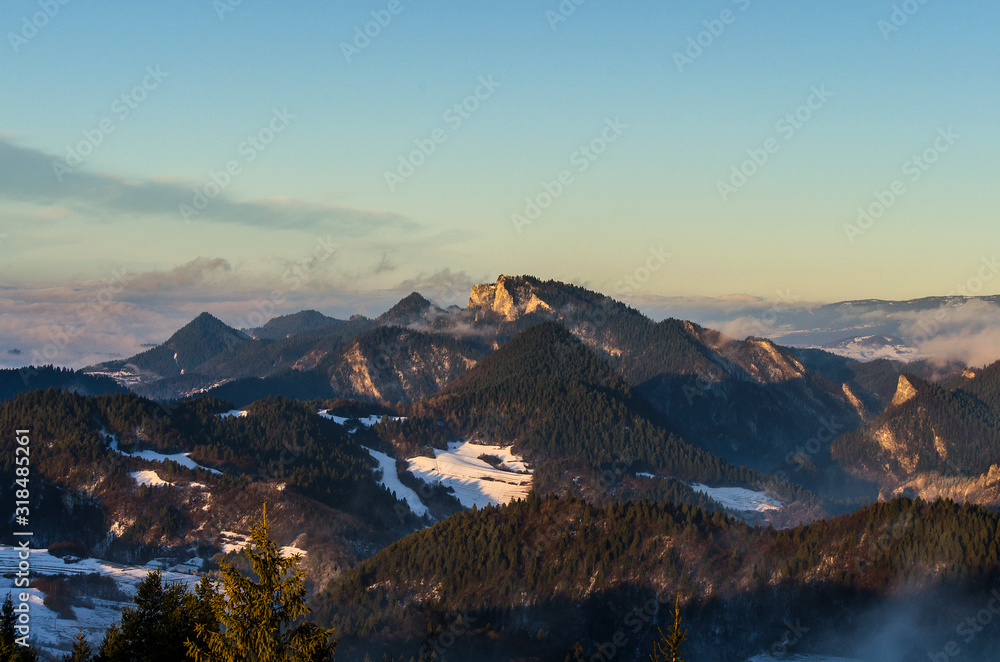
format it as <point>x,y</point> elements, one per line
<point>739,498</point>
<point>367,421</point>
<point>390,480</point>
<point>870,348</point>
<point>180,458</point>
<point>475,482</point>
<point>54,634</point>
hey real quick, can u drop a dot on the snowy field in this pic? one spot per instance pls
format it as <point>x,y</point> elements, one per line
<point>152,456</point>
<point>150,478</point>
<point>235,542</point>
<point>367,421</point>
<point>390,480</point>
<point>238,413</point>
<point>733,498</point>
<point>475,482</point>
<point>55,635</point>
<point>739,498</point>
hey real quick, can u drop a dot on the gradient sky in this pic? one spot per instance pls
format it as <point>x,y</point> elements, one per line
<point>450,223</point>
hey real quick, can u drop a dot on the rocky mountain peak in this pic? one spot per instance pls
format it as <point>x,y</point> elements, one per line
<point>509,297</point>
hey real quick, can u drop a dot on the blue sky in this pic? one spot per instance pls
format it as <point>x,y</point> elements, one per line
<point>554,87</point>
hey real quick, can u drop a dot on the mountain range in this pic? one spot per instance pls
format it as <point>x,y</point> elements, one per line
<point>556,446</point>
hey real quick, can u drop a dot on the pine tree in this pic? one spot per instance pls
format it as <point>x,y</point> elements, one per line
<point>81,650</point>
<point>10,650</point>
<point>155,629</point>
<point>668,649</point>
<point>256,616</point>
<point>7,632</point>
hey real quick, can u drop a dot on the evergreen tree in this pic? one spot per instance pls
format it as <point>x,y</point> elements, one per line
<point>156,628</point>
<point>7,621</point>
<point>10,651</point>
<point>81,650</point>
<point>256,616</point>
<point>668,649</point>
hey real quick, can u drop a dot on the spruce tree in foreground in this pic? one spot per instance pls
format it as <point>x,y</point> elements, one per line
<point>165,615</point>
<point>256,617</point>
<point>10,650</point>
<point>81,650</point>
<point>668,649</point>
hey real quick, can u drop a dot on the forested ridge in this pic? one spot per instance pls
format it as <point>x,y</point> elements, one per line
<point>570,413</point>
<point>573,571</point>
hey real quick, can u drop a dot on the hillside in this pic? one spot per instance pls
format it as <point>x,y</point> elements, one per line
<point>932,440</point>
<point>22,380</point>
<point>580,425</point>
<point>130,480</point>
<point>543,578</point>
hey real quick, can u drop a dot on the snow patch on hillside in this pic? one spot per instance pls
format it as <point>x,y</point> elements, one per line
<point>152,456</point>
<point>231,541</point>
<point>475,482</point>
<point>390,481</point>
<point>739,498</point>
<point>55,635</point>
<point>149,478</point>
<point>238,413</point>
<point>366,421</point>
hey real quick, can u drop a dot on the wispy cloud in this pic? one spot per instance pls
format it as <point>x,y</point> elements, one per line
<point>29,175</point>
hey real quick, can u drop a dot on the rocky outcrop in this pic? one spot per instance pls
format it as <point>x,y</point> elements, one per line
<point>509,298</point>
<point>905,391</point>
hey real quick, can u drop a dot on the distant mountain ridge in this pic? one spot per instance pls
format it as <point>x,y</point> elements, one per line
<point>751,402</point>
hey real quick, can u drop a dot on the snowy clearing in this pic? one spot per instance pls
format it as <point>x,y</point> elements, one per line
<point>475,482</point>
<point>235,542</point>
<point>149,478</point>
<point>739,498</point>
<point>238,413</point>
<point>367,421</point>
<point>390,480</point>
<point>152,456</point>
<point>55,635</point>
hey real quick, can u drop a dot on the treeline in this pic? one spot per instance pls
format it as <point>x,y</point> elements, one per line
<point>14,381</point>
